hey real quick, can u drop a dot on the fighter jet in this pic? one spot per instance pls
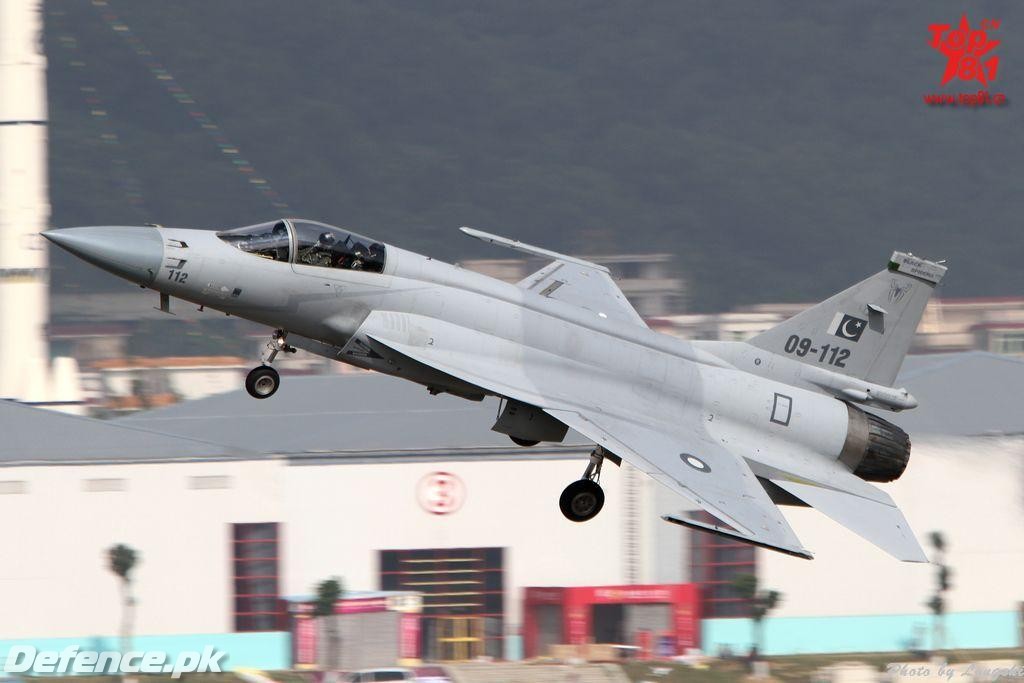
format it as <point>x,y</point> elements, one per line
<point>735,427</point>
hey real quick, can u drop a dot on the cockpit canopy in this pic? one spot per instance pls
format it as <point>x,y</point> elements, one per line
<point>308,243</point>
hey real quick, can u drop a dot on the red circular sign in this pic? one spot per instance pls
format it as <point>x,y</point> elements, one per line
<point>441,493</point>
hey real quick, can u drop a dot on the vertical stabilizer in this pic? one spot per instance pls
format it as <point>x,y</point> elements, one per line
<point>864,331</point>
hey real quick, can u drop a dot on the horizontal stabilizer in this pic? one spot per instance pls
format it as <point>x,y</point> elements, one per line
<point>729,533</point>
<point>877,522</point>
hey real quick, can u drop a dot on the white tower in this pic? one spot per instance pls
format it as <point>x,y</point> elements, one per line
<point>24,212</point>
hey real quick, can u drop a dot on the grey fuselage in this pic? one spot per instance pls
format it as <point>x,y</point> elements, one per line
<point>718,383</point>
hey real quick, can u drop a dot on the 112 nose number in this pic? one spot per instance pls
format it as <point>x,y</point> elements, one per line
<point>828,354</point>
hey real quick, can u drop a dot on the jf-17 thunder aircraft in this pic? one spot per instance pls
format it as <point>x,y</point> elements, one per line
<point>738,428</point>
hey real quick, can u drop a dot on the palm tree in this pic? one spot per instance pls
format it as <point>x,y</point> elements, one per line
<point>122,559</point>
<point>943,583</point>
<point>327,594</point>
<point>761,603</point>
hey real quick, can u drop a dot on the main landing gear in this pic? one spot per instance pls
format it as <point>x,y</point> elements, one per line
<point>583,499</point>
<point>263,381</point>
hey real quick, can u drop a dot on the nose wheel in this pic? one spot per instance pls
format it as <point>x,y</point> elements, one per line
<point>264,381</point>
<point>583,499</point>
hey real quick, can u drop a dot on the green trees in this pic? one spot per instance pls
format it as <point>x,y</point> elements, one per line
<point>943,583</point>
<point>327,594</point>
<point>762,602</point>
<point>121,559</point>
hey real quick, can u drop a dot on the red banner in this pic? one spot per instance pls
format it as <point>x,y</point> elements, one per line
<point>578,602</point>
<point>409,636</point>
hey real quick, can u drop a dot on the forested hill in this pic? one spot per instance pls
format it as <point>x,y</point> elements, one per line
<point>780,149</point>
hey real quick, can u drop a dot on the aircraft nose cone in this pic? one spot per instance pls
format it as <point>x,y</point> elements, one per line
<point>134,253</point>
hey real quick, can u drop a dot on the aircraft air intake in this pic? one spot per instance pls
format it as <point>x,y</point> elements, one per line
<point>875,449</point>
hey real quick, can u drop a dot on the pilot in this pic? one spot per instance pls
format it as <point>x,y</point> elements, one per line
<point>359,252</point>
<point>280,236</point>
<point>375,257</point>
<point>320,252</point>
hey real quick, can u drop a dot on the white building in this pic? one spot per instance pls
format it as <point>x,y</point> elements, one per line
<point>234,503</point>
<point>948,325</point>
<point>26,373</point>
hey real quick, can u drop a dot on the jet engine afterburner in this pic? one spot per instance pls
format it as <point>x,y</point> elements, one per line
<point>875,449</point>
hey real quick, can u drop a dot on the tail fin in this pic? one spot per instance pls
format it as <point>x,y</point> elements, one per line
<point>864,331</point>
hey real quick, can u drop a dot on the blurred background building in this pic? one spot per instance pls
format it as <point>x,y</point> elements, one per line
<point>239,507</point>
<point>995,325</point>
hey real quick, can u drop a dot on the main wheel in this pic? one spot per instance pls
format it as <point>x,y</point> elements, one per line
<point>525,443</point>
<point>262,382</point>
<point>581,500</point>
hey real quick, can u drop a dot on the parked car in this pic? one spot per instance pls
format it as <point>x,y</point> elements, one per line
<point>419,674</point>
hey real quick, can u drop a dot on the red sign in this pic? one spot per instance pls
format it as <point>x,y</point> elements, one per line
<point>968,56</point>
<point>360,605</point>
<point>305,641</point>
<point>578,604</point>
<point>409,636</point>
<point>441,493</point>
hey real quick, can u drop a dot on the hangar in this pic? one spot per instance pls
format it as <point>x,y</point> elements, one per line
<point>236,504</point>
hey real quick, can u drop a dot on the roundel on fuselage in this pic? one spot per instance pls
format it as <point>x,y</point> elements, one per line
<point>695,462</point>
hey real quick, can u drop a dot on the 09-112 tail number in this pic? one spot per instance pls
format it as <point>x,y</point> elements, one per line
<point>828,354</point>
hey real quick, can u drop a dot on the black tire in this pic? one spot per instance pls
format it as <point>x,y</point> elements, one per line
<point>262,382</point>
<point>525,443</point>
<point>581,500</point>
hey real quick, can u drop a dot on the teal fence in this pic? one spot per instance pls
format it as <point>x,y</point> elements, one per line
<point>875,633</point>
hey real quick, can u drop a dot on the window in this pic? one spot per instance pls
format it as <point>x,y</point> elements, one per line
<point>463,597</point>
<point>267,240</point>
<point>100,485</point>
<point>317,244</point>
<point>1005,341</point>
<point>209,482</point>
<point>255,558</point>
<point>715,563</point>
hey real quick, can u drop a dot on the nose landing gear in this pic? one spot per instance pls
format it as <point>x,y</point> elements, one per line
<point>263,381</point>
<point>583,499</point>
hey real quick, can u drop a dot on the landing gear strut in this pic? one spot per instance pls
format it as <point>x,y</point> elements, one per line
<point>263,381</point>
<point>583,499</point>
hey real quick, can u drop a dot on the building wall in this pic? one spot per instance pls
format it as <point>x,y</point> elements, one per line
<point>334,518</point>
<point>55,581</point>
<point>360,509</point>
<point>864,633</point>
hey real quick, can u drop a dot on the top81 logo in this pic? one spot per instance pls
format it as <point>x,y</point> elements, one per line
<point>964,47</point>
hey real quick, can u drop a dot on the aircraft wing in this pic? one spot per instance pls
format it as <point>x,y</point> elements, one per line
<point>572,280</point>
<point>681,455</point>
